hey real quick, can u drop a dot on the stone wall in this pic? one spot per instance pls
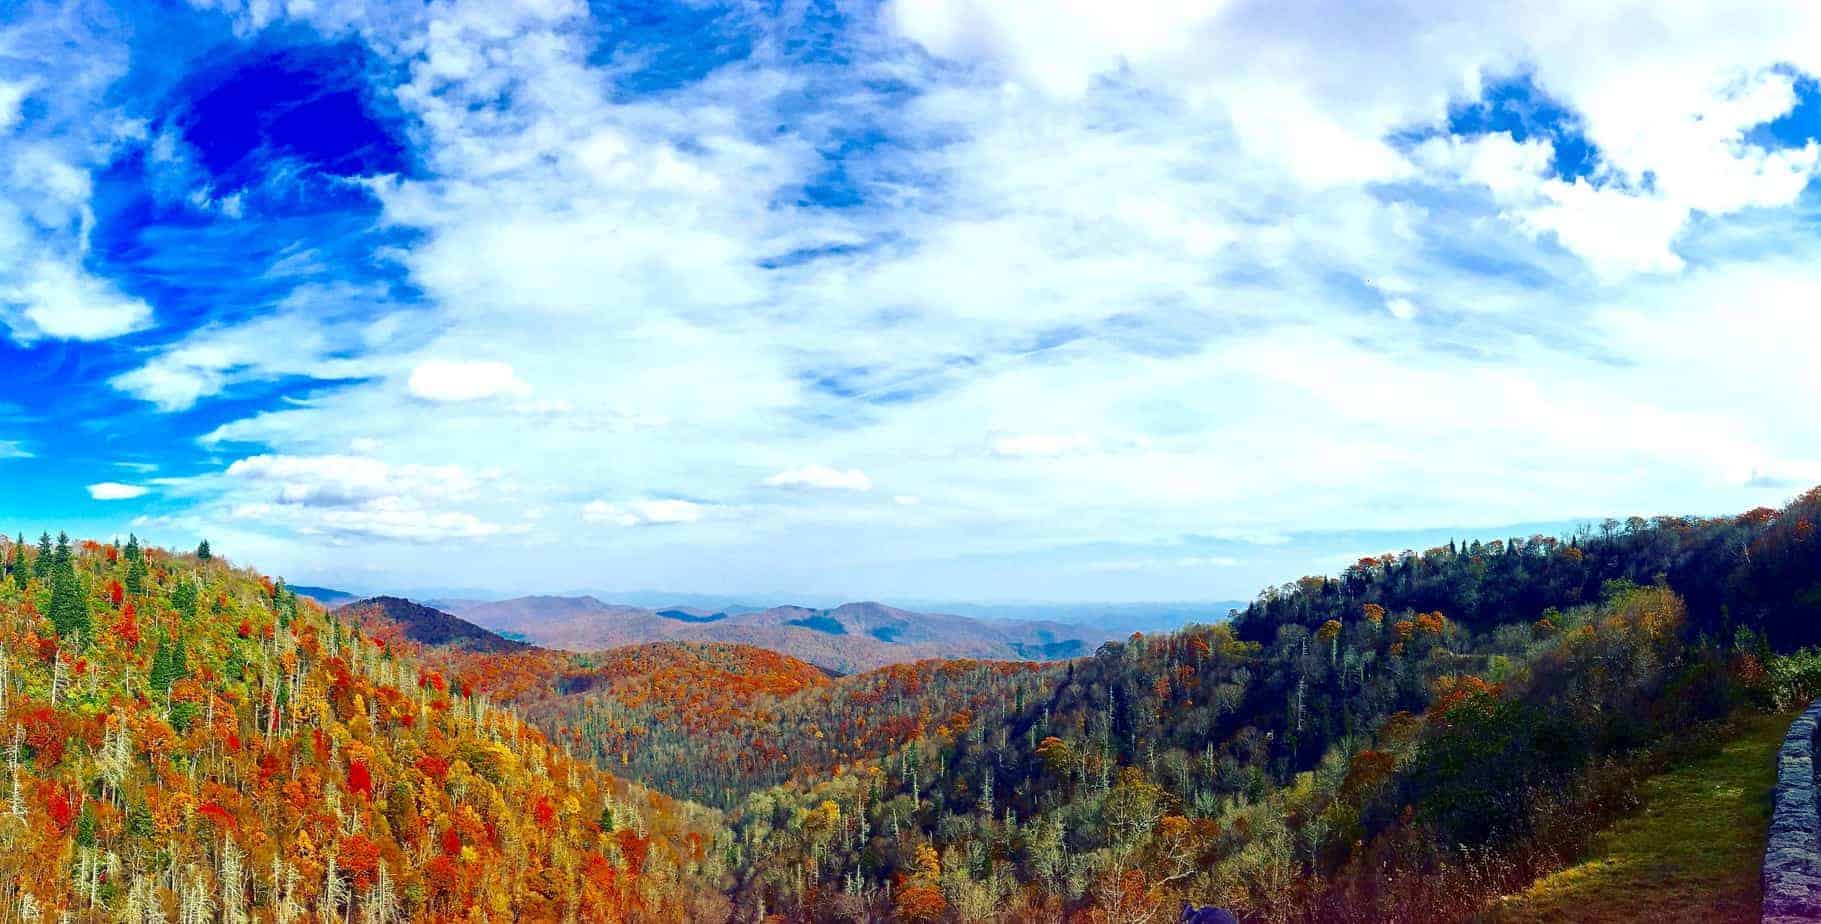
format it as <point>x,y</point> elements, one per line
<point>1792,859</point>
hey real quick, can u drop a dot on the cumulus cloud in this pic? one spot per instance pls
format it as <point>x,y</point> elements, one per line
<point>114,490</point>
<point>349,496</point>
<point>445,380</point>
<point>821,477</point>
<point>642,512</point>
<point>58,301</point>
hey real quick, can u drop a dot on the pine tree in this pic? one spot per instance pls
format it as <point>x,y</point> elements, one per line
<point>203,553</point>
<point>136,574</point>
<point>69,610</point>
<point>41,566</point>
<point>183,598</point>
<point>169,664</point>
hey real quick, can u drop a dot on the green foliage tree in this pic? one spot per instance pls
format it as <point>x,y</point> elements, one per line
<point>41,565</point>
<point>169,663</point>
<point>136,573</point>
<point>69,609</point>
<point>183,598</point>
<point>203,552</point>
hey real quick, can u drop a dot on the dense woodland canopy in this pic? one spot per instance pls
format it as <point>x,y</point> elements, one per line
<point>188,741</point>
<point>1402,741</point>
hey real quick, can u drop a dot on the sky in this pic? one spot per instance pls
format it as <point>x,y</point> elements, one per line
<point>943,299</point>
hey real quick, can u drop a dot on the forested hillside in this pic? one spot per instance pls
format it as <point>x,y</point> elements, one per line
<point>189,741</point>
<point>706,721</point>
<point>1402,742</point>
<point>1405,741</point>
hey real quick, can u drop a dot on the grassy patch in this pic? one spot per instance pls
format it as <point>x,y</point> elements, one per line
<point>1691,853</point>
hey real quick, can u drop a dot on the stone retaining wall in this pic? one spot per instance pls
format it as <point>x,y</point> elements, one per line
<point>1792,859</point>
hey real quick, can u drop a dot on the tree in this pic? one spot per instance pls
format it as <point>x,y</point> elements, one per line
<point>168,663</point>
<point>136,574</point>
<point>41,566</point>
<point>203,553</point>
<point>18,567</point>
<point>183,598</point>
<point>69,610</point>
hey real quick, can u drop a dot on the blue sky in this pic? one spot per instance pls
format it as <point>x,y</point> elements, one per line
<point>943,299</point>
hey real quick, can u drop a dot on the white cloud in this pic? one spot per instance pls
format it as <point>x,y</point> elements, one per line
<point>12,97</point>
<point>1616,232</point>
<point>61,302</point>
<point>444,380</point>
<point>1150,253</point>
<point>114,490</point>
<point>338,480</point>
<point>13,449</point>
<point>1042,445</point>
<point>642,512</point>
<point>312,333</point>
<point>907,500</point>
<point>823,477</point>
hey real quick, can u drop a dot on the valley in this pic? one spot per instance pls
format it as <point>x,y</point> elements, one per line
<point>1347,748</point>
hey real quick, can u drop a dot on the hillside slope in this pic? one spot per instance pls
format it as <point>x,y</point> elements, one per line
<point>187,740</point>
<point>1693,850</point>
<point>391,618</point>
<point>706,720</point>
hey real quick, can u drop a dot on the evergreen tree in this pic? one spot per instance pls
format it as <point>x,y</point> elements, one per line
<point>63,558</point>
<point>19,571</point>
<point>136,574</point>
<point>183,599</point>
<point>69,610</point>
<point>203,553</point>
<point>133,554</point>
<point>41,566</point>
<point>169,664</point>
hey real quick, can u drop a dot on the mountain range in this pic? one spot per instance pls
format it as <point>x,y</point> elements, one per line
<point>844,639</point>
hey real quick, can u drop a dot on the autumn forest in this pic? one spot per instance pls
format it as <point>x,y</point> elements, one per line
<point>187,739</point>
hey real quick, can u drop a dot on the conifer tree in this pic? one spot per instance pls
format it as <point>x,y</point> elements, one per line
<point>183,599</point>
<point>135,576</point>
<point>203,553</point>
<point>168,663</point>
<point>41,566</point>
<point>69,610</point>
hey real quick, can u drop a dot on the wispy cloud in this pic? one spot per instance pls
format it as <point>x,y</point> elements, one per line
<point>1071,277</point>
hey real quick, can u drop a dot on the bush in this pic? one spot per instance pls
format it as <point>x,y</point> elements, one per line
<point>1795,678</point>
<point>1472,779</point>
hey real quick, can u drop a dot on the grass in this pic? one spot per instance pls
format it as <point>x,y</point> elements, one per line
<point>1692,852</point>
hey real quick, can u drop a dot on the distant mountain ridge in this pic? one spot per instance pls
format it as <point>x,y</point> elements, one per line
<point>387,617</point>
<point>844,639</point>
